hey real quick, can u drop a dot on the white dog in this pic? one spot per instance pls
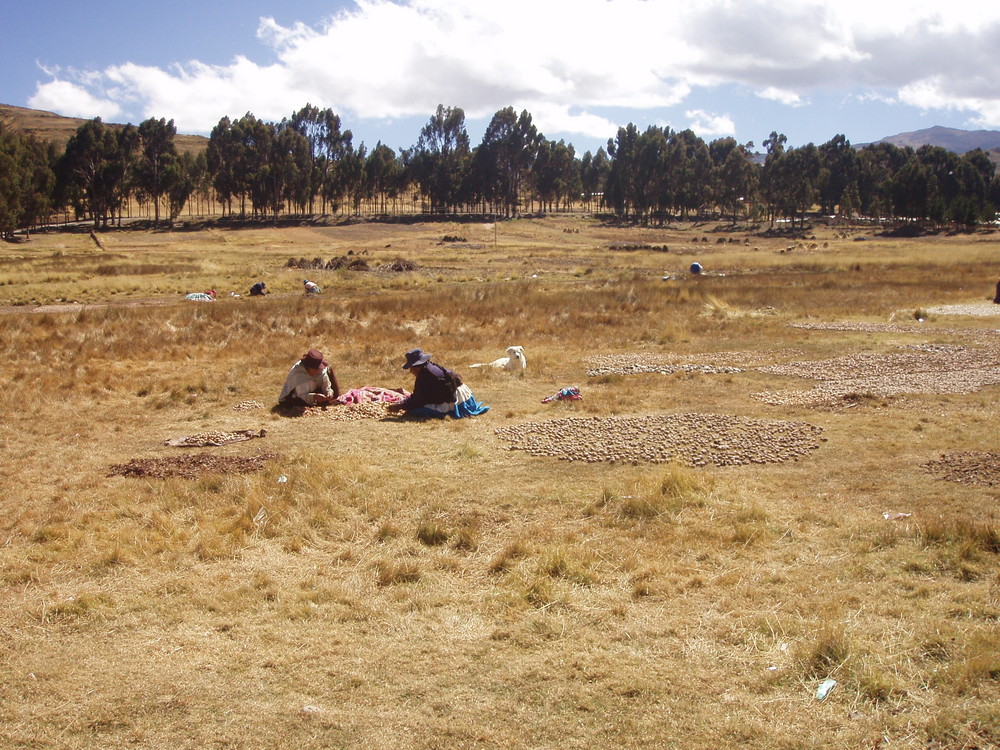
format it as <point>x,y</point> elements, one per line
<point>514,360</point>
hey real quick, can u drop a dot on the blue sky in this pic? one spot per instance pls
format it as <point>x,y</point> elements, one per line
<point>807,68</point>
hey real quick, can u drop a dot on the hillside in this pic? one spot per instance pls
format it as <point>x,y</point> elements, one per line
<point>959,141</point>
<point>48,126</point>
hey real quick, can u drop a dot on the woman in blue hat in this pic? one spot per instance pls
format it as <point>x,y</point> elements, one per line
<point>437,391</point>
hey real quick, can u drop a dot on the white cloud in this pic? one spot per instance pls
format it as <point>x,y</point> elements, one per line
<point>930,94</point>
<point>709,126</point>
<point>772,93</point>
<point>73,100</point>
<point>559,119</point>
<point>570,62</point>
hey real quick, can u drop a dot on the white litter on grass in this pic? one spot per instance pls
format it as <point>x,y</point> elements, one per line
<point>824,688</point>
<point>895,516</point>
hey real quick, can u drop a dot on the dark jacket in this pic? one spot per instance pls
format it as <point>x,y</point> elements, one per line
<point>431,386</point>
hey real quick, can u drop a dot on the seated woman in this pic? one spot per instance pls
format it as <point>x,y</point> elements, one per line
<point>258,290</point>
<point>310,382</point>
<point>437,391</point>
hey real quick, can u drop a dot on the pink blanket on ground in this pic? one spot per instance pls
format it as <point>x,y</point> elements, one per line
<point>372,394</point>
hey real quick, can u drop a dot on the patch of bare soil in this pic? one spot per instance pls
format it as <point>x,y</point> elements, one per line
<point>692,439</point>
<point>190,466</point>
<point>967,467</point>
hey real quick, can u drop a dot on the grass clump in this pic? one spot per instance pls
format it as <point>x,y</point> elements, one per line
<point>827,654</point>
<point>392,573</point>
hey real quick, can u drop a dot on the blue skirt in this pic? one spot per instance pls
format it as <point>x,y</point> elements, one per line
<point>465,405</point>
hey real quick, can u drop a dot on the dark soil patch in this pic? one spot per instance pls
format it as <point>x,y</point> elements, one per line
<point>191,466</point>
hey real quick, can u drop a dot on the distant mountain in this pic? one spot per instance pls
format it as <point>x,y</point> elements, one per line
<point>952,139</point>
<point>48,126</point>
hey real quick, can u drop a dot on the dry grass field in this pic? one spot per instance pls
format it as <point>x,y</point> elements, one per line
<point>783,471</point>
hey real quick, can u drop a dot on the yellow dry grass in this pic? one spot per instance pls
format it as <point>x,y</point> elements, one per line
<point>421,585</point>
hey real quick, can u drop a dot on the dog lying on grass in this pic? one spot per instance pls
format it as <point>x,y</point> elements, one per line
<point>515,360</point>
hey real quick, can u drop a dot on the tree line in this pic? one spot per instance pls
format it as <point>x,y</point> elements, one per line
<point>307,164</point>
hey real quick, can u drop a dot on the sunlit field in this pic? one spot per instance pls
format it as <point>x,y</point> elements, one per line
<point>784,470</point>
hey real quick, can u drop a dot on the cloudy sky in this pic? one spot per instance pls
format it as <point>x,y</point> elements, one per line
<point>807,68</point>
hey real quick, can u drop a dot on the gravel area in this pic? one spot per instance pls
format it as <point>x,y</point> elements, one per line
<point>693,439</point>
<point>967,468</point>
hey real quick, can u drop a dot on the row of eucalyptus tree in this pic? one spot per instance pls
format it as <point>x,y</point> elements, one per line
<point>648,176</point>
<point>104,167</point>
<point>261,168</point>
<point>307,163</point>
<point>27,181</point>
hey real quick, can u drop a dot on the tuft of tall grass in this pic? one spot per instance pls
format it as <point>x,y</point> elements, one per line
<point>976,665</point>
<point>506,557</point>
<point>432,533</point>
<point>975,534</point>
<point>828,652</point>
<point>656,496</point>
<point>391,573</point>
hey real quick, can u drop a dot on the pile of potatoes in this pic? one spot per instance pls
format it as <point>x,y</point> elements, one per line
<point>693,439</point>
<point>935,358</point>
<point>976,334</point>
<point>929,368</point>
<point>967,467</point>
<point>248,405</point>
<point>349,412</point>
<point>632,364</point>
<point>215,437</point>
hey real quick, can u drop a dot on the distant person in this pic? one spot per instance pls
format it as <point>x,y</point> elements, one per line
<point>259,289</point>
<point>437,391</point>
<point>996,299</point>
<point>310,382</point>
<point>311,287</point>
